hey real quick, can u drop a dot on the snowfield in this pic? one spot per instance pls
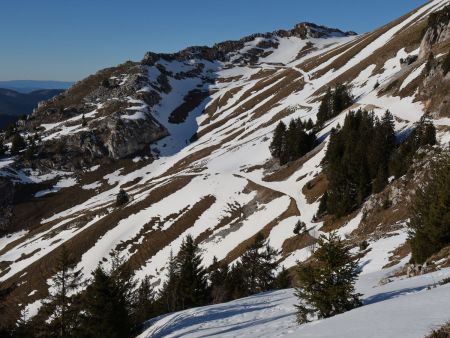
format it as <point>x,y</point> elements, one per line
<point>403,308</point>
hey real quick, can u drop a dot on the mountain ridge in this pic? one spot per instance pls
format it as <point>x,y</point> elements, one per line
<point>188,141</point>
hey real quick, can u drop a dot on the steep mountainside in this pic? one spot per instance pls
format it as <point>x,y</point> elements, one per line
<point>187,136</point>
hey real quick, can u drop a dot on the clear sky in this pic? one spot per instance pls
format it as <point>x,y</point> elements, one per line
<point>69,39</point>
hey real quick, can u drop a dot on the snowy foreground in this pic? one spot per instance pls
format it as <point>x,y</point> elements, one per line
<point>402,308</point>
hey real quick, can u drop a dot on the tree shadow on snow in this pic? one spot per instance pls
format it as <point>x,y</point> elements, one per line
<point>187,319</point>
<point>392,294</point>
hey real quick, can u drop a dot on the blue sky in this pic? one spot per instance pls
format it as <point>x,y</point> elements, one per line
<point>69,39</point>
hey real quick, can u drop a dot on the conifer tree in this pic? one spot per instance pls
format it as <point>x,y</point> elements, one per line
<point>429,225</point>
<point>192,284</point>
<point>60,303</point>
<point>83,121</point>
<point>283,279</point>
<point>326,284</point>
<point>325,108</point>
<point>168,295</point>
<point>219,278</point>
<point>299,228</point>
<point>144,304</point>
<point>277,144</point>
<point>2,147</point>
<point>309,124</point>
<point>18,143</point>
<point>122,198</point>
<point>107,303</point>
<point>423,134</point>
<point>258,264</point>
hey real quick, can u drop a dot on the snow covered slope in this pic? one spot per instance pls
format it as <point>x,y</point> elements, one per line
<point>212,176</point>
<point>406,308</point>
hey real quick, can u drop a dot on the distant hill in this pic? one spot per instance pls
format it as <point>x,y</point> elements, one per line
<point>13,104</point>
<point>27,86</point>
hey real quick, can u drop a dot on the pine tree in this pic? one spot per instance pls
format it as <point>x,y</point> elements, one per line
<point>429,225</point>
<point>334,102</point>
<point>278,140</point>
<point>144,306</point>
<point>167,298</point>
<point>59,305</point>
<point>192,285</point>
<point>342,98</point>
<point>355,169</point>
<point>326,284</point>
<point>83,121</point>
<point>309,124</point>
<point>31,149</point>
<point>18,143</point>
<point>122,198</point>
<point>423,134</point>
<point>283,279</point>
<point>258,264</point>
<point>299,228</point>
<point>219,278</point>
<point>107,303</point>
<point>325,108</point>
<point>2,147</point>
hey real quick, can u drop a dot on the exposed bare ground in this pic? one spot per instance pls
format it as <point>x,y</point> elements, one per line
<point>315,188</point>
<point>298,242</point>
<point>39,271</point>
<point>157,239</point>
<point>289,169</point>
<point>242,246</point>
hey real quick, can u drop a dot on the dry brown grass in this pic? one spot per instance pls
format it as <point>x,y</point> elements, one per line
<point>289,169</point>
<point>398,254</point>
<point>442,332</point>
<point>39,271</point>
<point>157,239</point>
<point>332,223</point>
<point>298,242</point>
<point>409,38</point>
<point>242,246</point>
<point>315,188</point>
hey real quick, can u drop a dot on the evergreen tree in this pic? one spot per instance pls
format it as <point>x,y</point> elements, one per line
<point>2,147</point>
<point>334,102</point>
<point>291,143</point>
<point>60,303</point>
<point>342,98</point>
<point>283,279</point>
<point>423,134</point>
<point>277,144</point>
<point>144,303</point>
<point>325,108</point>
<point>192,284</point>
<point>258,265</point>
<point>122,198</point>
<point>309,124</point>
<point>219,278</point>
<point>300,227</point>
<point>429,224</point>
<point>168,299</point>
<point>31,149</point>
<point>356,168</point>
<point>326,284</point>
<point>107,303</point>
<point>83,121</point>
<point>18,143</point>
